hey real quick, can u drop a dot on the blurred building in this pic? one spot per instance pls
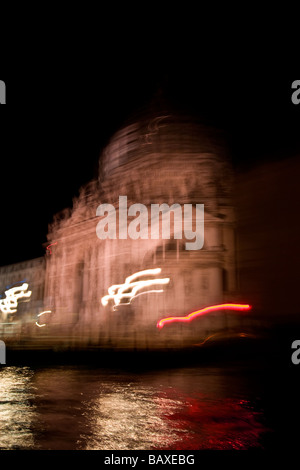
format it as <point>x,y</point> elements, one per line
<point>154,160</point>
<point>267,202</point>
<point>250,252</point>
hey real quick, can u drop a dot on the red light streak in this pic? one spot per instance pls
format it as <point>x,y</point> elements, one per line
<point>203,311</point>
<point>222,336</point>
<point>48,247</point>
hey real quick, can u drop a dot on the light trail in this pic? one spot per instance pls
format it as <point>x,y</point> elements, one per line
<point>222,336</point>
<point>42,313</point>
<point>203,311</point>
<point>48,247</point>
<point>130,290</point>
<point>10,303</point>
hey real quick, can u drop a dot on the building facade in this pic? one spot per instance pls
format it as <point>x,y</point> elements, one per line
<point>158,159</point>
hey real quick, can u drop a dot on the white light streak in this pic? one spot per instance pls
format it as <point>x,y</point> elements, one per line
<point>130,290</point>
<point>10,303</point>
<point>42,313</point>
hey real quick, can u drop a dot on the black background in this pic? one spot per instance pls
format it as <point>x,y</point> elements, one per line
<point>54,128</point>
<point>75,74</point>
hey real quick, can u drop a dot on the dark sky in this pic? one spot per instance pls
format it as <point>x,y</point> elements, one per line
<point>58,120</point>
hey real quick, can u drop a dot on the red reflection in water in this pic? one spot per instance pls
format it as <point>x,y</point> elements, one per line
<point>212,424</point>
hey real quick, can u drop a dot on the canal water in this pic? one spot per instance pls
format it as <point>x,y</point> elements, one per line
<point>231,399</point>
<point>176,408</point>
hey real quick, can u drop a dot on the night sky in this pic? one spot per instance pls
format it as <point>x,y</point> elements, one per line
<point>58,120</point>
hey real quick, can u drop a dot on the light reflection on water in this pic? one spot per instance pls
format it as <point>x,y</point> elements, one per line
<point>16,410</point>
<point>129,416</point>
<point>81,408</point>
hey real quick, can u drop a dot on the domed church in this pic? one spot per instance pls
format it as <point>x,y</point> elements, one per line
<point>152,238</point>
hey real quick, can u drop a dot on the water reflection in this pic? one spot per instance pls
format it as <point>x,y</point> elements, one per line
<point>81,408</point>
<point>211,423</point>
<point>146,416</point>
<point>16,409</point>
<point>126,417</point>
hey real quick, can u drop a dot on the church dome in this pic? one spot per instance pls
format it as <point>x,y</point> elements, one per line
<point>166,157</point>
<point>166,136</point>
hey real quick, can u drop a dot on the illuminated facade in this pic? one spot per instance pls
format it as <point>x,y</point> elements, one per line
<point>90,291</point>
<point>158,160</point>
